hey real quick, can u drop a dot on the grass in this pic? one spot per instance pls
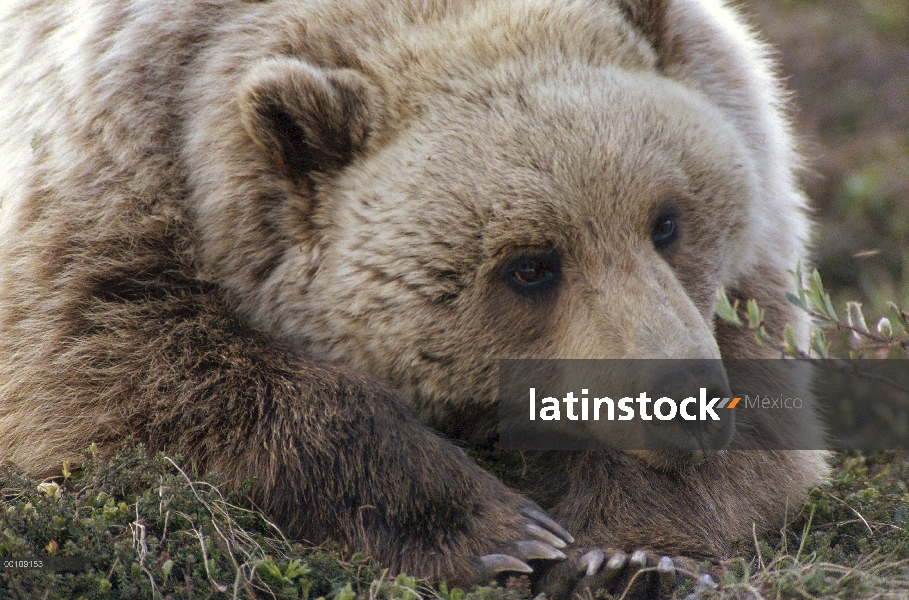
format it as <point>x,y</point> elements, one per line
<point>849,540</point>
<point>150,530</point>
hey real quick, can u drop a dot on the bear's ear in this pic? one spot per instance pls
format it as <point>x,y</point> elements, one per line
<point>306,120</point>
<point>649,17</point>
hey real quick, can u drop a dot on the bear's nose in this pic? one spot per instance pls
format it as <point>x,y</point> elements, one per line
<point>703,380</point>
<point>685,378</point>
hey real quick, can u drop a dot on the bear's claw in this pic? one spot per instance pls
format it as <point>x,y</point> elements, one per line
<point>547,522</point>
<point>615,563</point>
<point>523,550</point>
<point>545,536</point>
<point>536,550</point>
<point>590,563</point>
<point>499,563</point>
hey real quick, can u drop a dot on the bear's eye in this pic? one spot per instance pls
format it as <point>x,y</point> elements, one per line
<point>534,275</point>
<point>665,229</point>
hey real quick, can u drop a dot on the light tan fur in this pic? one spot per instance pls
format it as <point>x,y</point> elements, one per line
<point>170,248</point>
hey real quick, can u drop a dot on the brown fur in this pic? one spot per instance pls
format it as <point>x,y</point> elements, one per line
<point>224,223</point>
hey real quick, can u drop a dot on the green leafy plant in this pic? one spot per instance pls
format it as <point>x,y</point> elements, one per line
<point>887,339</point>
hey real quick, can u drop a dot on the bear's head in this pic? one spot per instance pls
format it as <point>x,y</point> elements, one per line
<point>511,180</point>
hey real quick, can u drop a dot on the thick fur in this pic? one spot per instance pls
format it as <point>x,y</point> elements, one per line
<point>223,223</point>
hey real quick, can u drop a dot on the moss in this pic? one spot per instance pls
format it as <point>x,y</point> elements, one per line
<point>150,530</point>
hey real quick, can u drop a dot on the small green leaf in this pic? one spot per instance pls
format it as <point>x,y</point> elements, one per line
<point>816,283</point>
<point>828,305</point>
<point>793,299</point>
<point>345,593</point>
<point>269,569</point>
<point>50,489</point>
<point>755,314</point>
<point>819,299</point>
<point>762,337</point>
<point>296,569</point>
<point>790,346</point>
<point>725,310</point>
<point>819,344</point>
<point>799,285</point>
<point>901,316</point>
<point>167,567</point>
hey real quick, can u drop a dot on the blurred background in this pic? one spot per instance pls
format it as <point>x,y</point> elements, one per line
<point>847,65</point>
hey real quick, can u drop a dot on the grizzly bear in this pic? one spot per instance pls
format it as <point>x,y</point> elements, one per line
<point>289,239</point>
